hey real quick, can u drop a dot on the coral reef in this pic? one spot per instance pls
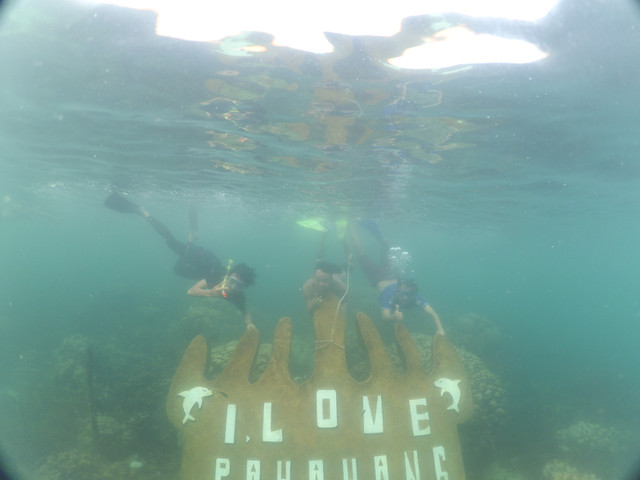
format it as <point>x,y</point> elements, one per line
<point>219,357</point>
<point>601,448</point>
<point>130,391</point>
<point>475,334</point>
<point>557,470</point>
<point>591,438</point>
<point>497,471</point>
<point>129,387</point>
<point>81,464</point>
<point>489,397</point>
<point>116,438</point>
<point>70,361</point>
<point>217,320</point>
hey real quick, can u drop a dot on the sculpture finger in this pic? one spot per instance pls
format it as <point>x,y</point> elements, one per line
<point>241,361</point>
<point>408,349</point>
<point>379,360</point>
<point>329,325</point>
<point>445,358</point>
<point>277,371</point>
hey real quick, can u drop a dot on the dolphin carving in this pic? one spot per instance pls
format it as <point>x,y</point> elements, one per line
<point>191,397</point>
<point>451,387</point>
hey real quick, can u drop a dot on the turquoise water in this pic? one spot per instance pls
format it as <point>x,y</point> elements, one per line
<point>514,188</point>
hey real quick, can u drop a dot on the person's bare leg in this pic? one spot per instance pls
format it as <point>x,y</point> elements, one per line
<point>355,240</point>
<point>320,253</point>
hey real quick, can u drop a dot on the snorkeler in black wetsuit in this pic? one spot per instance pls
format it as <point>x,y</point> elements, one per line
<point>195,262</point>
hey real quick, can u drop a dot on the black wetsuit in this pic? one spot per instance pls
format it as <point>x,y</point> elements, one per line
<point>196,263</point>
<point>376,272</point>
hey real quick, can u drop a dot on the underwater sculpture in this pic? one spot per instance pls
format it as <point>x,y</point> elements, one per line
<point>391,426</point>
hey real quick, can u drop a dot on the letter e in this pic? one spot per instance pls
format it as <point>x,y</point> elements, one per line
<point>417,417</point>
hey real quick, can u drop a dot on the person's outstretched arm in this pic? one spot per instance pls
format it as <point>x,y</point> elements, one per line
<point>200,290</point>
<point>436,319</point>
<point>312,300</point>
<point>337,285</point>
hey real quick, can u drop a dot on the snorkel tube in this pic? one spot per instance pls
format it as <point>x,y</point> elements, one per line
<point>223,285</point>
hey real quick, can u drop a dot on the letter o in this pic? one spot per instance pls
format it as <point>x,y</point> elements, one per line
<point>327,417</point>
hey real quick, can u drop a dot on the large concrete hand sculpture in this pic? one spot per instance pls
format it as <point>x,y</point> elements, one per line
<point>391,426</point>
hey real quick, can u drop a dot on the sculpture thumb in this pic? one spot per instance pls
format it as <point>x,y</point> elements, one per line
<point>329,325</point>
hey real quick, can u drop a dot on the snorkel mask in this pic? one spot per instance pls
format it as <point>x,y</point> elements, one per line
<point>232,284</point>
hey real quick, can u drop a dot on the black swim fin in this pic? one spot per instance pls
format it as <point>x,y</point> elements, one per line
<point>117,202</point>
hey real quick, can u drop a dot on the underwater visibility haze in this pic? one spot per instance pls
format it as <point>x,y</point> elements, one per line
<point>498,154</point>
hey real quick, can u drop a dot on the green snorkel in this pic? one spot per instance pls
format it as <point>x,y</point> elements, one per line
<point>226,277</point>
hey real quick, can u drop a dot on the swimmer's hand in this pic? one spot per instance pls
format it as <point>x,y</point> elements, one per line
<point>219,290</point>
<point>397,314</point>
<point>315,303</point>
<point>200,290</point>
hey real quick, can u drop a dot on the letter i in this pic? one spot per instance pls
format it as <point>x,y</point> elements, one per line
<point>230,428</point>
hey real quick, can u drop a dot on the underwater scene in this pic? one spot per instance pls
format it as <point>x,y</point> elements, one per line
<point>319,241</point>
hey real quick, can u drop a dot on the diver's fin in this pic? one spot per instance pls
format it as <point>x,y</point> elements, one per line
<point>341,227</point>
<point>312,223</point>
<point>117,202</point>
